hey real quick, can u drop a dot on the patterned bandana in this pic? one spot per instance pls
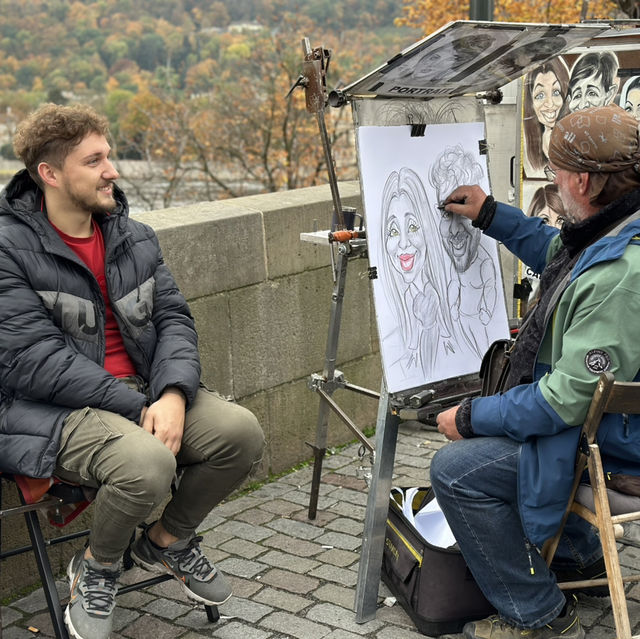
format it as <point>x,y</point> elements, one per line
<point>596,140</point>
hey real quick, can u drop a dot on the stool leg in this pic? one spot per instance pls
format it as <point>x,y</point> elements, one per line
<point>213,614</point>
<point>48,581</point>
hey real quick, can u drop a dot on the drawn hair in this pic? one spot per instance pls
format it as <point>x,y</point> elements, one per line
<point>602,64</point>
<point>452,168</point>
<point>546,196</point>
<point>630,85</point>
<point>533,129</point>
<point>407,182</point>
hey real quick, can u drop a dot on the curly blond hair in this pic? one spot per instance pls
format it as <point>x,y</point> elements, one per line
<point>51,132</point>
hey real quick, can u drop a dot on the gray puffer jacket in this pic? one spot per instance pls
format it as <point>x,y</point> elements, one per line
<point>52,320</point>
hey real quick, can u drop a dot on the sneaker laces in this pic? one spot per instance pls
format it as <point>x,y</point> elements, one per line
<point>191,560</point>
<point>504,626</point>
<point>98,588</point>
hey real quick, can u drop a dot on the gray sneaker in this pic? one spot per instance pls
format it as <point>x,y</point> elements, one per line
<point>184,559</point>
<point>93,587</point>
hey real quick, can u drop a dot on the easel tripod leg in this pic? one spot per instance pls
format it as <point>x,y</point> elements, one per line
<point>376,514</point>
<point>328,376</point>
<point>319,451</point>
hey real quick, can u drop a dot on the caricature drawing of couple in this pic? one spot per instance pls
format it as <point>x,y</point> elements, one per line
<point>439,280</point>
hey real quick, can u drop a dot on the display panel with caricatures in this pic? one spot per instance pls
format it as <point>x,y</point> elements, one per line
<point>563,85</point>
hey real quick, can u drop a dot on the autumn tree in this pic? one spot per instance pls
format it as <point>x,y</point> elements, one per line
<point>237,133</point>
<point>429,15</point>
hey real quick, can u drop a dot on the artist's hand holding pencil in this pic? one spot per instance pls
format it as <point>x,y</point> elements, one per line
<point>466,201</point>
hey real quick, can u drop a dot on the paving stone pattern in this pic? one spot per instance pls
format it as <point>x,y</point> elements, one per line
<point>291,577</point>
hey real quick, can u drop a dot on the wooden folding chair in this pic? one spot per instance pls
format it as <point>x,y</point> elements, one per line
<point>54,499</point>
<point>602,507</point>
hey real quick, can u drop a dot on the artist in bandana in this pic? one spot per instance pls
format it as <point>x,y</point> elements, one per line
<point>504,482</point>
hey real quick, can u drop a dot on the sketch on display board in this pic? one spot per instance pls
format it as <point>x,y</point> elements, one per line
<point>593,81</point>
<point>558,87</point>
<point>630,96</point>
<point>545,92</point>
<point>546,204</point>
<point>552,91</point>
<point>469,57</point>
<point>438,295</point>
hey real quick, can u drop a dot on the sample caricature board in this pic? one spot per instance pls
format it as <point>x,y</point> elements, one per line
<point>597,75</point>
<point>466,56</point>
<point>438,294</point>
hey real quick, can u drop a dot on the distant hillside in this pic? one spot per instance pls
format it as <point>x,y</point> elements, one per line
<point>55,45</point>
<point>196,90</point>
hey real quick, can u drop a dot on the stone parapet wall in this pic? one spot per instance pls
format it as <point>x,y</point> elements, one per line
<point>261,299</point>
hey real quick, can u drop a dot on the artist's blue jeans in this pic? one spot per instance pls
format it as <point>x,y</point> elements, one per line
<point>475,482</point>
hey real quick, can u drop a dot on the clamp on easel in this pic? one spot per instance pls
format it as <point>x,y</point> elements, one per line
<point>350,243</point>
<point>314,81</point>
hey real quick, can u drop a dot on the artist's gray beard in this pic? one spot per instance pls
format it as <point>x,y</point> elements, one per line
<point>573,213</point>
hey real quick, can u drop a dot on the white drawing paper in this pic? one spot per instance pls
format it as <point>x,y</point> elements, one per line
<point>438,295</point>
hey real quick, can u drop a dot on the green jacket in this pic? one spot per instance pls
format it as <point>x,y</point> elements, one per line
<point>593,325</point>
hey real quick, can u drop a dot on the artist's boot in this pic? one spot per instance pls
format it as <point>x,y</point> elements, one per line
<point>566,626</point>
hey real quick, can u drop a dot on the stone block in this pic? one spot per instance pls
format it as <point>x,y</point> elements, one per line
<point>211,246</point>
<point>279,329</point>
<point>335,594</point>
<point>298,547</point>
<point>286,561</point>
<point>344,619</point>
<point>298,584</point>
<point>149,626</point>
<point>288,214</point>
<point>211,315</point>
<point>241,567</point>
<point>295,528</point>
<point>237,630</point>
<point>245,609</point>
<point>282,600</point>
<point>292,626</point>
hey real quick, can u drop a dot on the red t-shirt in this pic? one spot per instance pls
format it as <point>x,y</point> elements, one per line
<point>91,251</point>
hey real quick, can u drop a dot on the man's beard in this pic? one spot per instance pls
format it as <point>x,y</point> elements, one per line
<point>93,207</point>
<point>573,213</point>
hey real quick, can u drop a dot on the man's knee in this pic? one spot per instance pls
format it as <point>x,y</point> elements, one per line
<point>147,468</point>
<point>448,464</point>
<point>245,435</point>
<point>439,462</point>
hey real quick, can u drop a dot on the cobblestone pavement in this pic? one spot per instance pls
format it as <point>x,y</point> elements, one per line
<point>292,577</point>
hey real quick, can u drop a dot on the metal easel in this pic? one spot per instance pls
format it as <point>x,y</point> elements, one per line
<point>350,244</point>
<point>421,405</point>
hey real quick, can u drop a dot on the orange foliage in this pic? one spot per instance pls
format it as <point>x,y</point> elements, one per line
<point>430,15</point>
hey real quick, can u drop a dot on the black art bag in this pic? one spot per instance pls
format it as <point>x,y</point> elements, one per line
<point>495,366</point>
<point>432,584</point>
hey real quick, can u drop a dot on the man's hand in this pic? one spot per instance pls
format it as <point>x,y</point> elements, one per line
<point>165,418</point>
<point>446,421</point>
<point>466,201</point>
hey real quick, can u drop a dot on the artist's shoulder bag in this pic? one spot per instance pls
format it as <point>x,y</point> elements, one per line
<point>494,368</point>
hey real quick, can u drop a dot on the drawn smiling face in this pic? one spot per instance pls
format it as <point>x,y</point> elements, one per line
<point>405,244</point>
<point>460,240</point>
<point>589,92</point>
<point>547,98</point>
<point>632,103</point>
